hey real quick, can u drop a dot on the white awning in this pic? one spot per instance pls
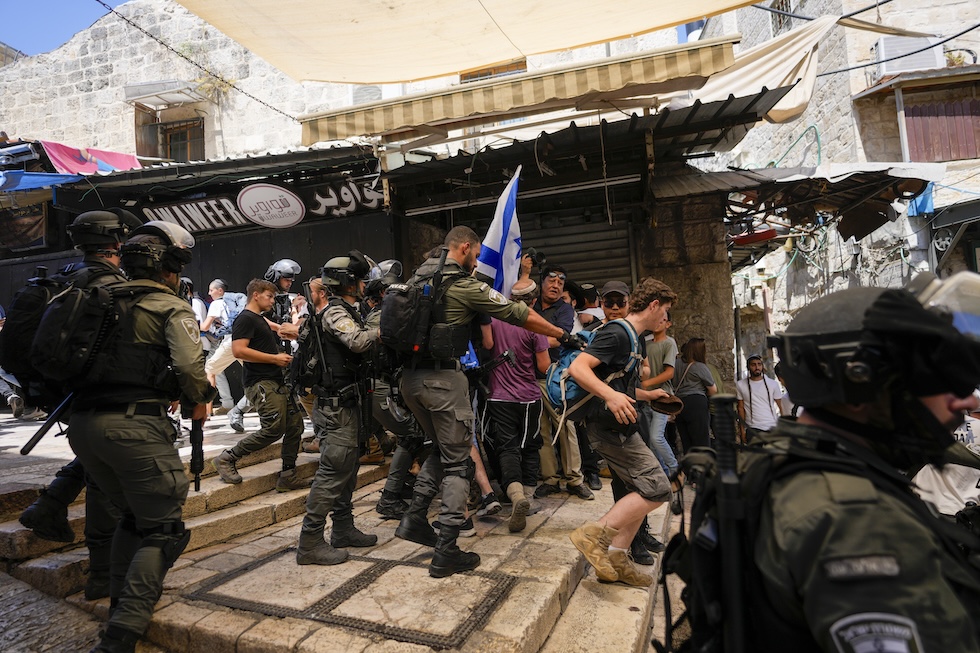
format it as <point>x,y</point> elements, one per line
<point>378,41</point>
<point>611,80</point>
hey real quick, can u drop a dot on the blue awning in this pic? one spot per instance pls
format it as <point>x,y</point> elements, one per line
<point>11,180</point>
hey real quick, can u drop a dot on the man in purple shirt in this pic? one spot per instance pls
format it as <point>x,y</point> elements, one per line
<point>514,407</point>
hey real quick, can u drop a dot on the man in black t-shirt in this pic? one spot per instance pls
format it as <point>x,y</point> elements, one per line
<point>613,433</point>
<point>254,343</point>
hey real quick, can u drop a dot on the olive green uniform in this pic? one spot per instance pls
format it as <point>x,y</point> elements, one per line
<point>437,393</point>
<point>120,431</point>
<point>339,418</point>
<point>849,567</point>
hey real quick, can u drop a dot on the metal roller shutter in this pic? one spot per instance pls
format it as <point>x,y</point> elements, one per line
<point>593,251</point>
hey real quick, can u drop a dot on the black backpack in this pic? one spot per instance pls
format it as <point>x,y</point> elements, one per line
<point>306,368</point>
<point>69,347</point>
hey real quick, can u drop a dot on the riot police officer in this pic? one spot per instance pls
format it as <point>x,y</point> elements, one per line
<point>847,558</point>
<point>120,431</point>
<point>98,235</point>
<point>437,392</point>
<point>338,413</point>
<point>281,274</point>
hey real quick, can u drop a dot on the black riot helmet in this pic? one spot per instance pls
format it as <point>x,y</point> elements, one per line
<point>345,271</point>
<point>890,347</point>
<point>285,268</point>
<point>156,247</point>
<point>104,229</point>
<point>387,272</point>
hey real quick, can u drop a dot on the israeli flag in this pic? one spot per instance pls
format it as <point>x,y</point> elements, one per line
<point>500,252</point>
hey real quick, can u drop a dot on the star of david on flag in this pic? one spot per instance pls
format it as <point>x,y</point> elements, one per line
<point>500,252</point>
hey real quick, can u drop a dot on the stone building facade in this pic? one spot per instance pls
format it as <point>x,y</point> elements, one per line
<point>838,127</point>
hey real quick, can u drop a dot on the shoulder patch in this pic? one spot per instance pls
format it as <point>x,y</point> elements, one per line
<point>345,325</point>
<point>496,297</point>
<point>860,567</point>
<point>192,328</point>
<point>869,632</point>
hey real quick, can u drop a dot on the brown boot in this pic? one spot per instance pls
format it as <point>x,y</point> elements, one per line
<point>374,455</point>
<point>627,571</point>
<point>518,514</point>
<point>592,540</point>
<point>289,480</point>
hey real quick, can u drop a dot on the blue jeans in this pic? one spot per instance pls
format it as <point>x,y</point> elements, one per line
<point>652,427</point>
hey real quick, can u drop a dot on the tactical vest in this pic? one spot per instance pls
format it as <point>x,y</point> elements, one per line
<point>342,365</point>
<point>447,341</point>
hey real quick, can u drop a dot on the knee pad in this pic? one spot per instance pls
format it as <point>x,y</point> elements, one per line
<point>171,539</point>
<point>465,470</point>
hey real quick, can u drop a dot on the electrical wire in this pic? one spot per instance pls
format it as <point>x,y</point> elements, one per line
<point>197,65</point>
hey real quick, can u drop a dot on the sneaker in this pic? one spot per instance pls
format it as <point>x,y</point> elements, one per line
<point>35,415</point>
<point>16,404</point>
<point>466,530</point>
<point>220,410</point>
<point>488,505</point>
<point>593,481</point>
<point>236,420</point>
<point>581,491</point>
<point>546,490</point>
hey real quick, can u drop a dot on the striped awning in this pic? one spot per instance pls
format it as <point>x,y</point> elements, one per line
<point>611,82</point>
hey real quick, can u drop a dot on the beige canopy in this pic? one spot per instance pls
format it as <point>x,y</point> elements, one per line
<point>382,41</point>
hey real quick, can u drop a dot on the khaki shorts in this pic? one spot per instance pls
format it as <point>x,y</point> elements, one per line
<point>631,459</point>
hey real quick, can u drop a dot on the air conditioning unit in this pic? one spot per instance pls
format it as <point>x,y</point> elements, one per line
<point>889,47</point>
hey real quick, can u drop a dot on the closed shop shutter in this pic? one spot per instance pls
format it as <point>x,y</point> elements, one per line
<point>593,251</point>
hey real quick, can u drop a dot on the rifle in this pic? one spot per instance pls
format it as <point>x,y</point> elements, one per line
<point>731,509</point>
<point>197,446</point>
<point>53,418</point>
<point>482,372</point>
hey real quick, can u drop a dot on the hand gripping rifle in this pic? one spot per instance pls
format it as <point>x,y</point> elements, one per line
<point>197,446</point>
<point>731,510</point>
<point>53,418</point>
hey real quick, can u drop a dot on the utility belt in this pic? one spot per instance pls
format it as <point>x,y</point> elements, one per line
<point>145,408</point>
<point>431,364</point>
<point>346,397</point>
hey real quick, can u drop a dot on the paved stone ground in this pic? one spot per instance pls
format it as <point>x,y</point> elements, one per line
<point>248,594</point>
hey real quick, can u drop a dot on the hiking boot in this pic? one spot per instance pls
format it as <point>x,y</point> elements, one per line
<point>312,550</point>
<point>16,405</point>
<point>647,539</point>
<point>289,480</point>
<point>488,505</point>
<point>310,445</point>
<point>34,415</point>
<point>466,530</point>
<point>520,508</point>
<point>639,553</point>
<point>48,518</point>
<point>96,586</point>
<point>413,526</point>
<point>373,458</point>
<point>448,558</point>
<point>345,534</point>
<point>390,505</point>
<point>545,490</point>
<point>627,571</point>
<point>236,420</point>
<point>593,481</point>
<point>592,540</point>
<point>225,464</point>
<point>581,491</point>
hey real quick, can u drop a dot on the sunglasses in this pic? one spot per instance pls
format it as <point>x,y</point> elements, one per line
<point>556,275</point>
<point>609,302</point>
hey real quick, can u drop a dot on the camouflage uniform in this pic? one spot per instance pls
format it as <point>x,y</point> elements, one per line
<point>120,431</point>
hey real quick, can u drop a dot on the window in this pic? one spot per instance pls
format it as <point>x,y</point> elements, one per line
<point>181,141</point>
<point>943,131</point>
<point>780,22</point>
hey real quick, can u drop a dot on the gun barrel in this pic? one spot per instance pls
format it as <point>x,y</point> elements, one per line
<point>49,423</point>
<point>197,452</point>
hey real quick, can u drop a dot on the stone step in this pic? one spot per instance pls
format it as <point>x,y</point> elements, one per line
<point>62,573</point>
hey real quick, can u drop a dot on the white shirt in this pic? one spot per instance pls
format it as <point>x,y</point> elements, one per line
<point>951,487</point>
<point>201,313</point>
<point>759,397</point>
<point>219,311</point>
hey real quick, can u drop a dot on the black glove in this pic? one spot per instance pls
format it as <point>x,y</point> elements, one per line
<point>572,340</point>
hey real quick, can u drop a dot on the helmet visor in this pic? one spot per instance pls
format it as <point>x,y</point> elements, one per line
<point>959,297</point>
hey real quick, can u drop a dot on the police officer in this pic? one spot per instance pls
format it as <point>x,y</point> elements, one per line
<point>120,431</point>
<point>99,235</point>
<point>345,341</point>
<point>847,558</point>
<point>437,392</point>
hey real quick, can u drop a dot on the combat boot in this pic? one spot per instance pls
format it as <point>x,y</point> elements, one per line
<point>117,640</point>
<point>521,506</point>
<point>647,539</point>
<point>374,454</point>
<point>312,550</point>
<point>345,534</point>
<point>592,540</point>
<point>639,552</point>
<point>289,480</point>
<point>627,571</point>
<point>448,558</point>
<point>226,466</point>
<point>99,563</point>
<point>390,505</point>
<point>413,526</point>
<point>48,518</point>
